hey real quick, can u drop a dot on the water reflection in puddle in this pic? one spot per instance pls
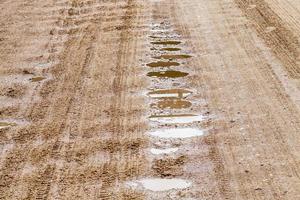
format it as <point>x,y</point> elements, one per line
<point>171,57</point>
<point>167,42</point>
<point>159,184</point>
<point>170,93</point>
<point>177,133</point>
<point>162,64</point>
<point>167,74</point>
<point>163,151</point>
<point>172,104</point>
<point>37,79</point>
<point>177,119</point>
<point>170,49</point>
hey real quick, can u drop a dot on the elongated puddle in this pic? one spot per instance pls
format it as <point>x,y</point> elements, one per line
<point>162,64</point>
<point>167,74</point>
<point>176,119</point>
<point>6,124</point>
<point>171,57</point>
<point>170,93</point>
<point>177,133</point>
<point>159,184</point>
<point>163,151</point>
<point>167,42</point>
<point>170,49</point>
<point>37,79</point>
<point>172,104</point>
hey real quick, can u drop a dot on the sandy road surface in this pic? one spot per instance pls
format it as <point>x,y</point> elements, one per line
<point>150,99</point>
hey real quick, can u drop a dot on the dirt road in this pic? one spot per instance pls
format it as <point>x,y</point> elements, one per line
<point>150,99</point>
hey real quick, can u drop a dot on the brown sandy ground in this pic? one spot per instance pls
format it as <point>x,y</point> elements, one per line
<point>80,133</point>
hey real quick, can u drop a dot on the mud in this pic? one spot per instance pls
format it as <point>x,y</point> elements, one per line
<point>216,116</point>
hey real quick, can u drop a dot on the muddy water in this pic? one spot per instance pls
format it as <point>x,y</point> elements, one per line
<point>168,74</point>
<point>176,119</point>
<point>168,102</point>
<point>167,42</point>
<point>172,104</point>
<point>170,49</point>
<point>37,79</point>
<point>170,93</point>
<point>177,133</point>
<point>162,64</point>
<point>6,124</point>
<point>172,57</point>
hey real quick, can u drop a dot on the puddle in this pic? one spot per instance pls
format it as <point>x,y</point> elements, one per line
<point>156,37</point>
<point>173,104</point>
<point>162,64</point>
<point>167,42</point>
<point>5,124</point>
<point>170,93</point>
<point>170,49</point>
<point>37,79</point>
<point>159,184</point>
<point>163,151</point>
<point>167,74</point>
<point>177,119</point>
<point>177,133</point>
<point>171,57</point>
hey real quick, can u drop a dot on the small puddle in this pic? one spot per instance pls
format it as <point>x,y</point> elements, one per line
<point>171,57</point>
<point>162,64</point>
<point>173,104</point>
<point>155,37</point>
<point>159,184</point>
<point>163,151</point>
<point>170,93</point>
<point>170,49</point>
<point>167,74</point>
<point>177,119</point>
<point>37,79</point>
<point>177,133</point>
<point>167,42</point>
<point>6,124</point>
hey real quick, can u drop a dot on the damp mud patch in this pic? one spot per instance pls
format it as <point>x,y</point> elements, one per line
<point>170,49</point>
<point>167,42</point>
<point>167,74</point>
<point>172,104</point>
<point>160,184</point>
<point>170,93</point>
<point>169,167</point>
<point>162,64</point>
<point>176,119</point>
<point>177,133</point>
<point>14,91</point>
<point>37,79</point>
<point>173,57</point>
